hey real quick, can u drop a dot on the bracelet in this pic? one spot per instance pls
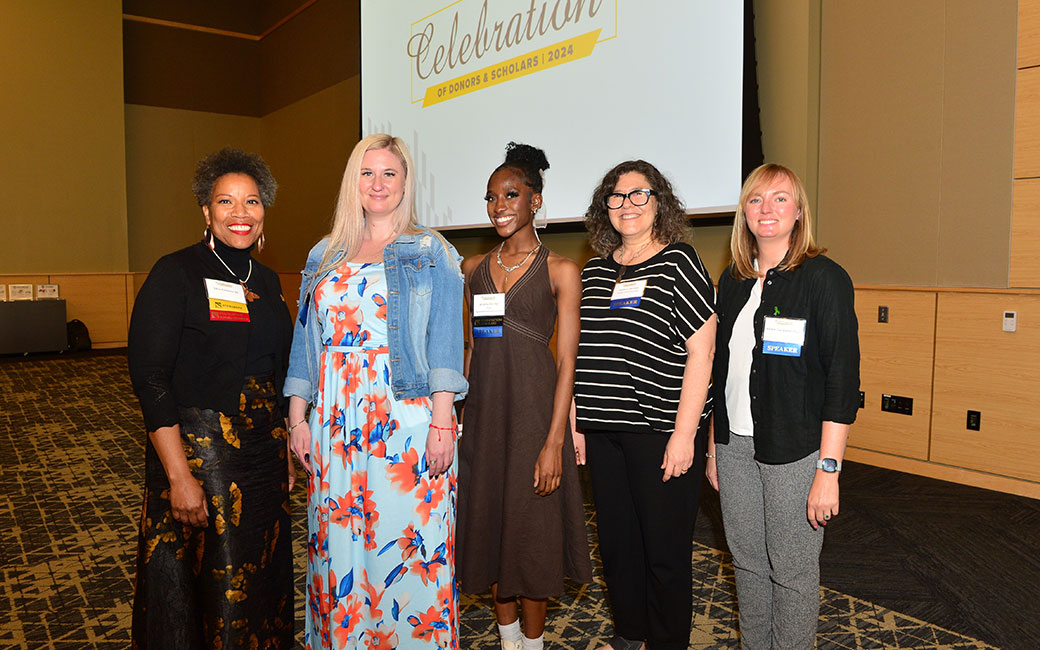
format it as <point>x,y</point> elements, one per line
<point>439,429</point>
<point>709,455</point>
<point>296,425</point>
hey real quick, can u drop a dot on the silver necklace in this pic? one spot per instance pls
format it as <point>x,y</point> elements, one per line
<point>510,269</point>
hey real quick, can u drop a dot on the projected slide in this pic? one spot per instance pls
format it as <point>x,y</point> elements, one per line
<point>592,82</point>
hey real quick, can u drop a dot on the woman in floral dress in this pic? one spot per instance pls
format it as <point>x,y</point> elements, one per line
<point>377,353</point>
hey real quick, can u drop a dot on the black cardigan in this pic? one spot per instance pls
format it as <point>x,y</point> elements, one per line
<point>178,356</point>
<point>791,397</point>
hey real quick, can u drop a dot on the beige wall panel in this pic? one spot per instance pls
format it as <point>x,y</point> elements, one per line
<point>978,125</point>
<point>881,99</point>
<point>99,301</point>
<point>1028,33</point>
<point>1027,124</point>
<point>61,124</point>
<point>788,56</point>
<point>896,359</point>
<point>1025,234</point>
<point>980,367</point>
<point>307,145</point>
<point>163,145</point>
<point>27,279</point>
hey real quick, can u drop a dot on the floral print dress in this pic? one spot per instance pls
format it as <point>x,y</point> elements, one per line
<point>381,548</point>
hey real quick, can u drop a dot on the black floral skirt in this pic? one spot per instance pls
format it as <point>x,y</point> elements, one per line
<point>228,585</point>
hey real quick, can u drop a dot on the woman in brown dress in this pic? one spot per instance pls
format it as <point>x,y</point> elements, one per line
<point>521,525</point>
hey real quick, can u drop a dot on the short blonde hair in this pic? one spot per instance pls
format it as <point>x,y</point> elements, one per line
<point>742,244</point>
<point>348,221</point>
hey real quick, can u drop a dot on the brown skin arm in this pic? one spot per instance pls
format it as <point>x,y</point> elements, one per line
<point>187,500</point>
<point>469,265</point>
<point>565,279</point>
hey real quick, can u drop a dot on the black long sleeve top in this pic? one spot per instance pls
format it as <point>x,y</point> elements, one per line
<point>792,396</point>
<point>178,356</point>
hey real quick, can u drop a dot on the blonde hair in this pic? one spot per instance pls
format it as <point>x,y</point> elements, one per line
<point>348,221</point>
<point>742,244</point>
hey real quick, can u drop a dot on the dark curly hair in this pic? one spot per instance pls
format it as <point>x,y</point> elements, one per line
<point>233,161</point>
<point>529,161</point>
<point>670,224</point>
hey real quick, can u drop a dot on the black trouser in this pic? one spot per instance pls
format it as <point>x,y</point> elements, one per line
<point>645,534</point>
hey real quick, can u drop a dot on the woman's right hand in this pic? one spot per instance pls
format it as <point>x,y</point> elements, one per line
<point>188,502</point>
<point>300,444</point>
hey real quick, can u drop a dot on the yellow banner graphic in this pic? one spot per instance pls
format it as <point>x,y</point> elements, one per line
<point>566,51</point>
<point>216,304</point>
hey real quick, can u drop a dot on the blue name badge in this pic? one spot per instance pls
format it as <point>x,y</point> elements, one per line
<point>489,311</point>
<point>783,336</point>
<point>627,294</point>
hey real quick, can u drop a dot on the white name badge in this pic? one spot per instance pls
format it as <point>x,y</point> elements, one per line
<point>489,311</point>
<point>220,290</point>
<point>227,301</point>
<point>783,336</point>
<point>627,294</point>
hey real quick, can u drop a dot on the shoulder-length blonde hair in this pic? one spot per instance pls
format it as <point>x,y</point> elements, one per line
<point>742,244</point>
<point>348,221</point>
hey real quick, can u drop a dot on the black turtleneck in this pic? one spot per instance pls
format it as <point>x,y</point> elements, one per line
<point>260,351</point>
<point>180,356</point>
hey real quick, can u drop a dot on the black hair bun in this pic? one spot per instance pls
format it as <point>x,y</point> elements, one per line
<point>525,153</point>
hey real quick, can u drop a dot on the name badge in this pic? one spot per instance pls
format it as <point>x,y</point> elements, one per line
<point>783,336</point>
<point>627,294</point>
<point>489,310</point>
<point>227,301</point>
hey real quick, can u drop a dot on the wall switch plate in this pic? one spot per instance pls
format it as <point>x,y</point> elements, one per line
<point>1010,321</point>
<point>882,313</point>
<point>974,420</point>
<point>897,404</point>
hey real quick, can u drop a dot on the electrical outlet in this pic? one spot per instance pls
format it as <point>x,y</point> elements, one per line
<point>862,399</point>
<point>974,420</point>
<point>897,404</point>
<point>882,313</point>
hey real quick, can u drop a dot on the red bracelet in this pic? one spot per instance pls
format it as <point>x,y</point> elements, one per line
<point>439,429</point>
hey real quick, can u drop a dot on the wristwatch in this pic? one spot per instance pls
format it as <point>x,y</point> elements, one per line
<point>829,465</point>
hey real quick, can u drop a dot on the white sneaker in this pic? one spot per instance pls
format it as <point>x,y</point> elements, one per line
<point>512,645</point>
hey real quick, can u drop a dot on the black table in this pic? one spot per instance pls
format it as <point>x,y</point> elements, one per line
<point>32,326</point>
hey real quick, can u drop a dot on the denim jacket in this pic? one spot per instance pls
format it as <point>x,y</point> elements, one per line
<point>424,327</point>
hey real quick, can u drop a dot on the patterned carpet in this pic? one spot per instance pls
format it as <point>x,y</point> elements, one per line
<point>70,493</point>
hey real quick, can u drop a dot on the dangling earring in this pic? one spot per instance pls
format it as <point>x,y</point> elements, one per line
<point>207,235</point>
<point>260,243</point>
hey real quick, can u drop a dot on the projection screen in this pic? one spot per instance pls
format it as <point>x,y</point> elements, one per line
<point>592,82</point>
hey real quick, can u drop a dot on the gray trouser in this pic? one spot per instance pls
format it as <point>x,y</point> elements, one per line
<point>776,553</point>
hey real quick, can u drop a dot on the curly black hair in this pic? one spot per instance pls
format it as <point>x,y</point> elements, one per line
<point>670,224</point>
<point>233,161</point>
<point>529,161</point>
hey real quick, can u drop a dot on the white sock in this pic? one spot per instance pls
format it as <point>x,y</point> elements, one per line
<point>510,632</point>
<point>534,644</point>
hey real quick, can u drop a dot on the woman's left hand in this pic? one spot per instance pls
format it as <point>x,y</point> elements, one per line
<point>547,470</point>
<point>823,499</point>
<point>440,450</point>
<point>678,455</point>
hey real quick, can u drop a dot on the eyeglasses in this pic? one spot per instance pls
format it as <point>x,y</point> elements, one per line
<point>615,200</point>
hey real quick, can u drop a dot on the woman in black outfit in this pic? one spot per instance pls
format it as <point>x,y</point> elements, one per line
<point>208,347</point>
<point>641,387</point>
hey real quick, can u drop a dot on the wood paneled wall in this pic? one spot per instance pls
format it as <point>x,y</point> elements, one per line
<point>1024,266</point>
<point>946,349</point>
<point>896,359</point>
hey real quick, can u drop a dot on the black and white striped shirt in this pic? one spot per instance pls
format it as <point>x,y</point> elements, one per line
<point>631,359</point>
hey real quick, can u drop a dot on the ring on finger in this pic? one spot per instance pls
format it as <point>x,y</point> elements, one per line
<point>827,516</point>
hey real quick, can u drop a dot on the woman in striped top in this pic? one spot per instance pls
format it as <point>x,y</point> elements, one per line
<point>641,391</point>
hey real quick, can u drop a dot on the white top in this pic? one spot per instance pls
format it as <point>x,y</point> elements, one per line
<point>741,346</point>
